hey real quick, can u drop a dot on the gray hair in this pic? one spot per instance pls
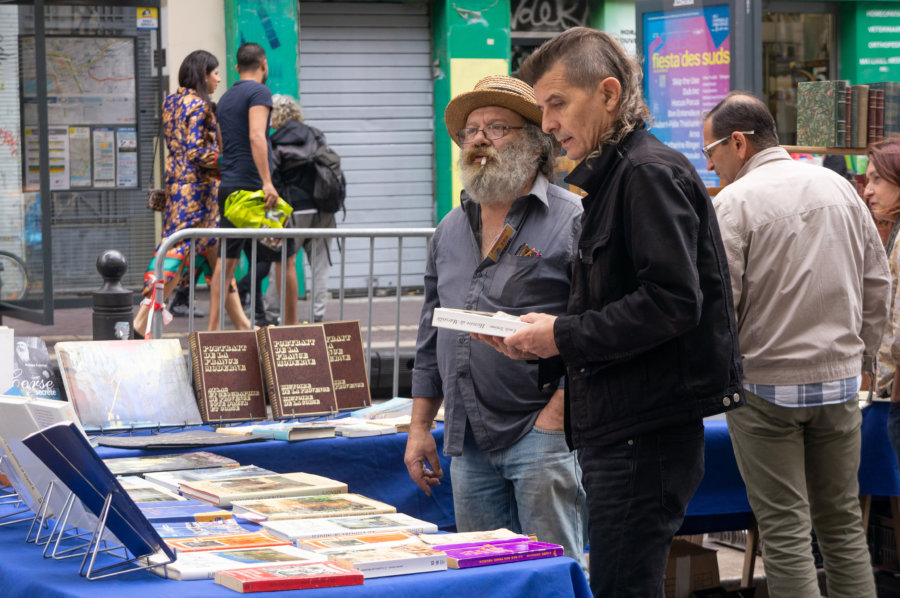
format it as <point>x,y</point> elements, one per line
<point>548,146</point>
<point>590,56</point>
<point>285,108</point>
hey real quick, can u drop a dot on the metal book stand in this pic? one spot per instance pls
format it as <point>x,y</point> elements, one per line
<point>11,496</point>
<point>61,532</point>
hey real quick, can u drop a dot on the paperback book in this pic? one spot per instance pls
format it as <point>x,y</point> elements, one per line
<point>189,566</point>
<point>296,370</point>
<point>224,492</point>
<point>331,544</point>
<point>128,383</point>
<point>206,543</point>
<point>403,559</point>
<point>353,428</point>
<point>141,465</point>
<point>310,507</point>
<point>300,529</point>
<point>462,556</point>
<point>33,374</point>
<point>288,431</point>
<point>472,537</point>
<point>288,577</point>
<point>197,529</point>
<point>144,491</point>
<point>348,364</point>
<point>492,324</point>
<point>183,511</point>
<point>227,375</point>
<point>173,479</point>
<point>395,407</point>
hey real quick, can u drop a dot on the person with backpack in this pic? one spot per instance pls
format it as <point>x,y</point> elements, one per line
<point>308,176</point>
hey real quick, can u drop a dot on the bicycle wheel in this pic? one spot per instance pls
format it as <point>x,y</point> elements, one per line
<point>13,277</point>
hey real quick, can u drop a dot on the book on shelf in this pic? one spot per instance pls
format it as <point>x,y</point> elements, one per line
<point>287,431</point>
<point>492,535</point>
<point>66,452</point>
<point>189,566</point>
<point>462,556</point>
<point>33,373</point>
<point>299,529</point>
<point>288,577</point>
<point>889,101</point>
<point>197,529</point>
<point>860,117</point>
<point>331,544</point>
<point>296,370</point>
<point>206,543</point>
<point>145,491</point>
<point>152,463</point>
<point>492,324</point>
<point>224,492</point>
<point>820,112</point>
<point>173,479</point>
<point>309,507</point>
<point>128,383</point>
<point>348,364</point>
<point>174,440</point>
<point>849,131</point>
<point>403,559</point>
<point>182,511</point>
<point>227,375</point>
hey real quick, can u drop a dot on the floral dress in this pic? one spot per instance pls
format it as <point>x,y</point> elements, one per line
<point>191,178</point>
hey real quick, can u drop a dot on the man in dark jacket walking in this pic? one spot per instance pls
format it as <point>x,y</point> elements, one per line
<point>649,339</point>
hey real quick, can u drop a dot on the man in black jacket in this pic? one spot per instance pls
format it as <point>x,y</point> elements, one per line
<point>649,339</point>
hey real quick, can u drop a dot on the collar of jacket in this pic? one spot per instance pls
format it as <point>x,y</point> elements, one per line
<point>765,156</point>
<point>590,174</point>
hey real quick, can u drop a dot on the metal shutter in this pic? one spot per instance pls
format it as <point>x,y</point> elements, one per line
<point>365,81</point>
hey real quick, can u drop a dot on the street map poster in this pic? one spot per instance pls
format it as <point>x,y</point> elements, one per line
<point>90,80</point>
<point>687,66</point>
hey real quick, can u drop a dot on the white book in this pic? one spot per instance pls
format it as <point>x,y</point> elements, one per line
<point>391,560</point>
<point>363,429</point>
<point>190,566</point>
<point>468,537</point>
<point>225,492</point>
<point>145,491</point>
<point>496,324</point>
<point>172,480</point>
<point>294,530</point>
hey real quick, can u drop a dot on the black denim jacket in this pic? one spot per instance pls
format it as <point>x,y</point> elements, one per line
<point>650,340</point>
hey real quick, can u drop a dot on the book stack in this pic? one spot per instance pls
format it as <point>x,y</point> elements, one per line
<point>837,114</point>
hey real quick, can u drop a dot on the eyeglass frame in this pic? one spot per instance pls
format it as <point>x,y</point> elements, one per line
<point>504,130</point>
<point>706,150</point>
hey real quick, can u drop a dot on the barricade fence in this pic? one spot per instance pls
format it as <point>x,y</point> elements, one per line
<point>256,235</point>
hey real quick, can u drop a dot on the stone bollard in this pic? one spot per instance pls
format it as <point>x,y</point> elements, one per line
<point>112,302</point>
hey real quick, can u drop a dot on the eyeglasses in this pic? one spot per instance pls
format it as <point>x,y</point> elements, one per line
<point>707,149</point>
<point>492,132</point>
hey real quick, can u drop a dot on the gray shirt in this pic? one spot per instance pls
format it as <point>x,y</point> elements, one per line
<point>498,396</point>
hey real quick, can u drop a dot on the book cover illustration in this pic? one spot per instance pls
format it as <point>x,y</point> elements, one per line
<point>33,373</point>
<point>184,511</point>
<point>472,537</point>
<point>402,559</point>
<point>817,113</point>
<point>348,364</point>
<point>65,451</point>
<point>288,577</point>
<point>461,556</point>
<point>227,375</point>
<point>174,440</point>
<point>203,565</point>
<point>300,507</point>
<point>296,370</point>
<point>142,491</point>
<point>196,460</point>
<point>124,384</point>
<point>205,543</point>
<point>225,492</point>
<point>298,529</point>
<point>197,529</point>
<point>288,431</point>
<point>366,540</point>
<point>173,479</point>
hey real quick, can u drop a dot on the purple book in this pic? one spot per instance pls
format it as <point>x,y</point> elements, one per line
<point>478,554</point>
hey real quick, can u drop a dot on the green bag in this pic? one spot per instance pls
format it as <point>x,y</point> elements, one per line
<point>247,209</point>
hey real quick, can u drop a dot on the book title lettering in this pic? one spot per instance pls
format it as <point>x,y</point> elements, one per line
<point>221,399</point>
<point>219,359</point>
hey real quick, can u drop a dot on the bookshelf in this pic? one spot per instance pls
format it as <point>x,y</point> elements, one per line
<point>808,149</point>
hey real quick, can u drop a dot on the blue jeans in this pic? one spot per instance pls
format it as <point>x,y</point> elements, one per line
<point>637,493</point>
<point>532,487</point>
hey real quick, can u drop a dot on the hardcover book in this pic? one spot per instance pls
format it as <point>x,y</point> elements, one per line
<point>144,491</point>
<point>197,529</point>
<point>496,324</point>
<point>33,373</point>
<point>196,460</point>
<point>225,492</point>
<point>129,383</point>
<point>206,543</point>
<point>182,511</point>
<point>402,559</point>
<point>296,370</point>
<point>65,451</point>
<point>175,440</point>
<point>310,507</point>
<point>331,544</point>
<point>227,375</point>
<point>818,104</point>
<point>203,565</point>
<point>288,431</point>
<point>462,556</point>
<point>860,100</point>
<point>173,479</point>
<point>299,529</point>
<point>348,364</point>
<point>288,577</point>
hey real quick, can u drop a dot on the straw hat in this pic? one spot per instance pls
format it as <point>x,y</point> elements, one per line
<point>496,90</point>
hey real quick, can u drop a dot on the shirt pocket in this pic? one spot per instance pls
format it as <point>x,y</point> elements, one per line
<point>514,280</point>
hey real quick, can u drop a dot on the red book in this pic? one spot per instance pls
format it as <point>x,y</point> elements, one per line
<point>288,577</point>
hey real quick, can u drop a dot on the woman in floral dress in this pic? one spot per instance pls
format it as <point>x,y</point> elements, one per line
<point>192,144</point>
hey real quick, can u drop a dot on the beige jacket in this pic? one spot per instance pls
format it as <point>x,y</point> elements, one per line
<point>809,274</point>
<point>889,352</point>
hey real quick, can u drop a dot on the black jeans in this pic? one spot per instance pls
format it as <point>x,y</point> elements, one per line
<point>637,492</point>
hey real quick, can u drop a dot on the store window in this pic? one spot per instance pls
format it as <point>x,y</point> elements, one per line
<point>798,43</point>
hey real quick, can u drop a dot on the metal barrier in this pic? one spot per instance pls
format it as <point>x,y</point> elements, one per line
<point>256,234</point>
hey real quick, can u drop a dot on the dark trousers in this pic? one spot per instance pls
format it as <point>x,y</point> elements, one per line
<point>637,493</point>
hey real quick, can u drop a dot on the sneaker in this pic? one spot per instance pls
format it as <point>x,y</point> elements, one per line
<point>181,311</point>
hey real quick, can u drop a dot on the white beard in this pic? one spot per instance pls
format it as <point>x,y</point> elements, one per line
<point>504,175</point>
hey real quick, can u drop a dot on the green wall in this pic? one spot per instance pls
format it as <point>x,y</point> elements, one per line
<point>273,25</point>
<point>870,41</point>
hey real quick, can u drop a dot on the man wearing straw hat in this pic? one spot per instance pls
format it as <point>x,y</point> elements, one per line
<point>507,247</point>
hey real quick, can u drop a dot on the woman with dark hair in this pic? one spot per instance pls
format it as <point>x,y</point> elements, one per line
<point>192,144</point>
<point>882,194</point>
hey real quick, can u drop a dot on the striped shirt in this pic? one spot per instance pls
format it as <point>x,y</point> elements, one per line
<point>808,395</point>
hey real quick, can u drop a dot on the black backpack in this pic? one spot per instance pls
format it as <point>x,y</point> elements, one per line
<point>330,188</point>
<point>306,169</point>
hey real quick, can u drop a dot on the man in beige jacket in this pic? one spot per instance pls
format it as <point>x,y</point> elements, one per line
<point>811,284</point>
